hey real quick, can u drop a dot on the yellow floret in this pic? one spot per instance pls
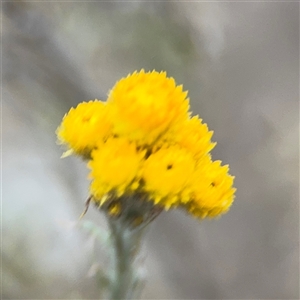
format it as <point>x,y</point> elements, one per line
<point>213,191</point>
<point>115,168</point>
<point>194,136</point>
<point>145,105</point>
<point>84,126</point>
<point>166,174</point>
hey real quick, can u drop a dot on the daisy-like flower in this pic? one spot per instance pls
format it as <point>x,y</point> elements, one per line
<point>116,167</point>
<point>167,173</point>
<point>146,152</point>
<point>147,105</point>
<point>195,137</point>
<point>84,126</point>
<point>212,191</point>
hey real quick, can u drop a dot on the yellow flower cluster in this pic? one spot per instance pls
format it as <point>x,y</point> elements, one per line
<point>143,141</point>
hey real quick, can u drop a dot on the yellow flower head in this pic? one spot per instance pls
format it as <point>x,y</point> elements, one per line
<point>194,136</point>
<point>84,126</point>
<point>115,167</point>
<point>146,105</point>
<point>143,145</point>
<point>166,174</point>
<point>213,193</point>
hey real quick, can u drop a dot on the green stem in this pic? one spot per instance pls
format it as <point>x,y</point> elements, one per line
<point>126,243</point>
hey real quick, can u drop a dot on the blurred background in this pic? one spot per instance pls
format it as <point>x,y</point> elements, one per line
<point>240,63</point>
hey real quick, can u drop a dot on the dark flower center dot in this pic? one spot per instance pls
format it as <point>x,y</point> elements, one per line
<point>86,119</point>
<point>169,167</point>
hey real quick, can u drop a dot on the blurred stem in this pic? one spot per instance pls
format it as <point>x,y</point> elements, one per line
<point>126,242</point>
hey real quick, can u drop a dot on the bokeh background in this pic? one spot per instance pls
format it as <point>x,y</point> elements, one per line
<point>240,63</point>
